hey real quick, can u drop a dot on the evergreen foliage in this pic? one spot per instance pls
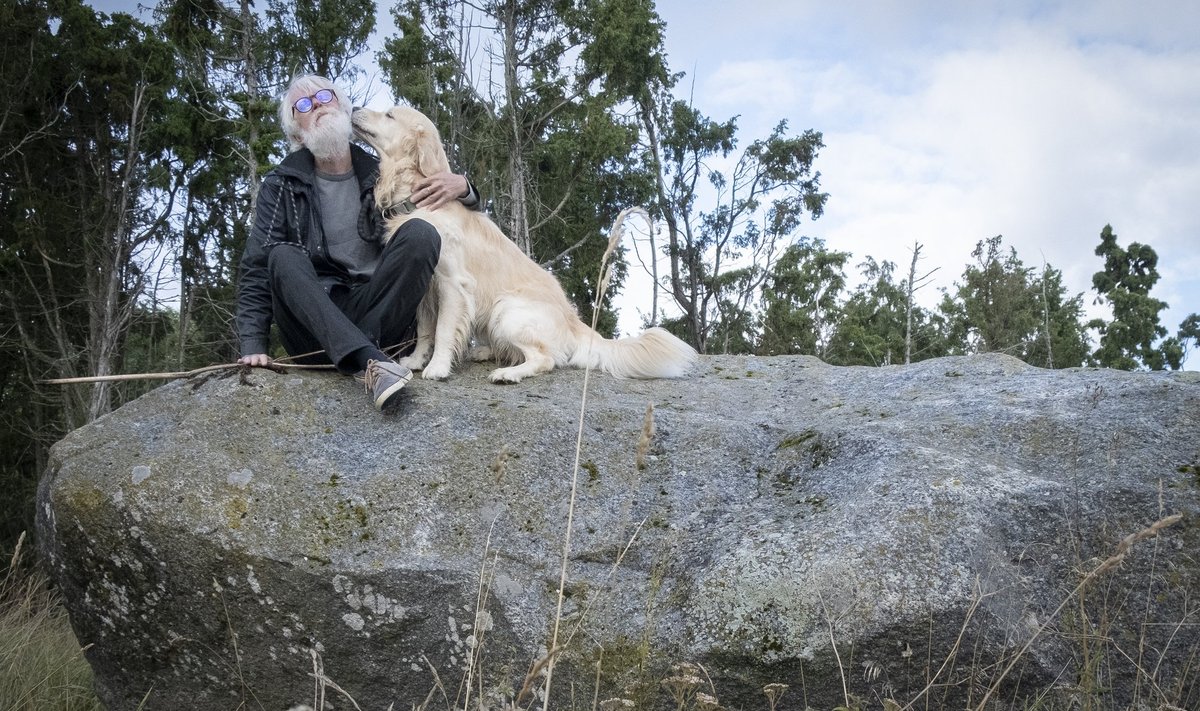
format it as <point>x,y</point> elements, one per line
<point>1134,338</point>
<point>1003,306</point>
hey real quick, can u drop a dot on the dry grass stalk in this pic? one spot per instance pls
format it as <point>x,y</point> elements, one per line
<point>534,672</point>
<point>481,596</point>
<point>643,445</point>
<point>836,655</point>
<point>1105,566</point>
<point>437,686</point>
<point>614,238</point>
<point>596,686</point>
<point>41,663</point>
<point>604,583</point>
<point>975,602</point>
<point>323,681</point>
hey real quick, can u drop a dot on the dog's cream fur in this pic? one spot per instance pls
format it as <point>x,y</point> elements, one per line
<point>485,286</point>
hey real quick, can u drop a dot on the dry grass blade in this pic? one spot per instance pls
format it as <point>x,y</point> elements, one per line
<point>437,686</point>
<point>614,238</point>
<point>531,677</point>
<point>481,596</point>
<point>836,655</point>
<point>41,662</point>
<point>979,597</point>
<point>604,584</point>
<point>1108,564</point>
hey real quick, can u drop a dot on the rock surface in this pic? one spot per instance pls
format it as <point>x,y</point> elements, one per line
<point>834,529</point>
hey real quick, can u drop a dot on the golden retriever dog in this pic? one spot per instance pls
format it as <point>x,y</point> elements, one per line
<point>487,288</point>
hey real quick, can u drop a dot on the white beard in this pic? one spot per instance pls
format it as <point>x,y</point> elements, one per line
<point>330,138</point>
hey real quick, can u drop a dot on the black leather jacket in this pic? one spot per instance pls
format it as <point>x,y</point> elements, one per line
<point>287,216</point>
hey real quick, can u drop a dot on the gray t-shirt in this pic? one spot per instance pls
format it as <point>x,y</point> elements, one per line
<point>339,201</point>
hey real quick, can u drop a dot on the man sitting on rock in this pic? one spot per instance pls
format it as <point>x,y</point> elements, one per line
<point>315,262</point>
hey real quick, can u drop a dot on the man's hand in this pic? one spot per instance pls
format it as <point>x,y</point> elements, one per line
<point>258,360</point>
<point>440,189</point>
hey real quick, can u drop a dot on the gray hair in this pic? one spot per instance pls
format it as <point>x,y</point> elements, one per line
<point>305,85</point>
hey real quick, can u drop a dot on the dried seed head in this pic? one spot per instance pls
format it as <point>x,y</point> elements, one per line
<point>704,702</point>
<point>685,669</point>
<point>681,687</point>
<point>500,463</point>
<point>643,445</point>
<point>616,704</point>
<point>774,692</point>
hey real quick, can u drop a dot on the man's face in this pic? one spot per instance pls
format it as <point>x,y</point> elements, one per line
<point>325,130</point>
<point>305,121</point>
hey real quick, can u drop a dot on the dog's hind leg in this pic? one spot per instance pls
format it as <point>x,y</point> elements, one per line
<point>523,332</point>
<point>537,361</point>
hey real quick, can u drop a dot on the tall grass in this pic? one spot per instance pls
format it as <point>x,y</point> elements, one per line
<point>41,665</point>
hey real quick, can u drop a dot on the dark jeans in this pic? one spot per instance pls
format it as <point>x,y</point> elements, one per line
<point>375,314</point>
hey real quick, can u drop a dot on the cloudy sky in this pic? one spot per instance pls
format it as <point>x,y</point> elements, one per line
<point>948,123</point>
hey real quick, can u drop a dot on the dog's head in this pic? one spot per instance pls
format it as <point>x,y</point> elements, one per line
<point>404,138</point>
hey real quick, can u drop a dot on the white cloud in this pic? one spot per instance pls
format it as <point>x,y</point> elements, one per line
<point>951,124</point>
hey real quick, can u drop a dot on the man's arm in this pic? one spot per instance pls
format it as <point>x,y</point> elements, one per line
<point>443,188</point>
<point>254,285</point>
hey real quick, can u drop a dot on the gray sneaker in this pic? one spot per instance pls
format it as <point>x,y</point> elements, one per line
<point>384,381</point>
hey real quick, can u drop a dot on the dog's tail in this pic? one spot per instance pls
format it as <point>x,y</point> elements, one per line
<point>654,353</point>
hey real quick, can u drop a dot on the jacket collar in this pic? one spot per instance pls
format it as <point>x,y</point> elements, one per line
<point>301,165</point>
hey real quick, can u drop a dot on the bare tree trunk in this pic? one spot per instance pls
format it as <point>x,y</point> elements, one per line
<point>110,311</point>
<point>186,287</point>
<point>914,284</point>
<point>908,307</point>
<point>1046,321</point>
<point>517,174</point>
<point>250,75</point>
<point>668,214</point>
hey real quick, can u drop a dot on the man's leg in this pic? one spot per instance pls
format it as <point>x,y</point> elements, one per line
<point>308,318</point>
<point>385,308</point>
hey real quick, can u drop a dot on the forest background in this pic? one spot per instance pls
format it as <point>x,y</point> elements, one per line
<point>131,149</point>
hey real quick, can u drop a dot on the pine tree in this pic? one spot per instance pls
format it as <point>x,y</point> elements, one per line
<point>801,299</point>
<point>1132,339</point>
<point>872,325</point>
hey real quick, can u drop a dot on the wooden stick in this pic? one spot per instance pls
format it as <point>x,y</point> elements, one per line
<point>278,365</point>
<point>275,365</point>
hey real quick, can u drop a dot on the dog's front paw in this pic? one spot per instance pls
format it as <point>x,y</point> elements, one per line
<point>413,362</point>
<point>436,371</point>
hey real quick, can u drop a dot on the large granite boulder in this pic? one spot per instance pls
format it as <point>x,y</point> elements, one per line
<point>856,533</point>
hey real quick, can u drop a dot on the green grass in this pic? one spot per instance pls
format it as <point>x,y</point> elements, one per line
<point>41,665</point>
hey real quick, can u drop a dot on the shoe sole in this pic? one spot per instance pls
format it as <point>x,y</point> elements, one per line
<point>386,396</point>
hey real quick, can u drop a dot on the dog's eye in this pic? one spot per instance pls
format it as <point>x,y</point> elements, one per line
<point>389,115</point>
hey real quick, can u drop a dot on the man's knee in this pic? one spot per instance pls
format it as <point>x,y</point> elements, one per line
<point>285,260</point>
<point>417,240</point>
<point>285,256</point>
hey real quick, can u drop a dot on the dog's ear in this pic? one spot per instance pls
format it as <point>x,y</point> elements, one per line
<point>431,157</point>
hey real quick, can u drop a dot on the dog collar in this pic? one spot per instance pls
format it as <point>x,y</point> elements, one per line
<point>404,207</point>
